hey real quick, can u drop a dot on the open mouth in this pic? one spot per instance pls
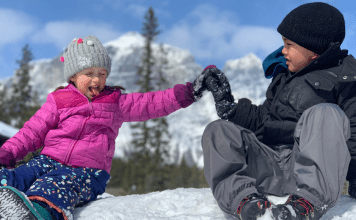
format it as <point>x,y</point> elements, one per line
<point>94,90</point>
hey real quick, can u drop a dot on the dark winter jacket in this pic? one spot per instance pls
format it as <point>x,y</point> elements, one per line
<point>331,78</point>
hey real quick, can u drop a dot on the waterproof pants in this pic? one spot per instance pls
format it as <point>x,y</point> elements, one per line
<point>58,186</point>
<point>237,164</point>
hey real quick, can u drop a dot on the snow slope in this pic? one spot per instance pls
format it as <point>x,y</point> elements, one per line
<point>183,204</point>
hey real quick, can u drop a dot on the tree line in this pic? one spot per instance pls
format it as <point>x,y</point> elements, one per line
<point>144,168</point>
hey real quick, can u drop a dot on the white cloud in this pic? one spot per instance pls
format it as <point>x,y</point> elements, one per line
<point>60,33</point>
<point>209,33</point>
<point>15,25</point>
<point>255,38</point>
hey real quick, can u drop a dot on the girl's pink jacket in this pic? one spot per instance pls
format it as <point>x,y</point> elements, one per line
<point>79,133</point>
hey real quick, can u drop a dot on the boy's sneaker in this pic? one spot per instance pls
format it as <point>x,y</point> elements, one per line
<point>14,205</point>
<point>253,206</point>
<point>296,208</point>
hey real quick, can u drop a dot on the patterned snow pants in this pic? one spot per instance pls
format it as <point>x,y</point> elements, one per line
<point>60,187</point>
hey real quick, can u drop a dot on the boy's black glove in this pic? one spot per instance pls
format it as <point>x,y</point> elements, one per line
<point>199,85</point>
<point>352,188</point>
<point>219,86</point>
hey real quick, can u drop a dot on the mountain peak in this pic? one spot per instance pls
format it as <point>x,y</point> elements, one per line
<point>127,40</point>
<point>249,61</point>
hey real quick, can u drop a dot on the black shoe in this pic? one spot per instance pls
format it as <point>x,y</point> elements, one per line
<point>253,206</point>
<point>296,208</point>
<point>352,188</point>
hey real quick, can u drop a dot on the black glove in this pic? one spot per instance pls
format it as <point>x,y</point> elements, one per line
<point>352,188</point>
<point>199,85</point>
<point>219,86</point>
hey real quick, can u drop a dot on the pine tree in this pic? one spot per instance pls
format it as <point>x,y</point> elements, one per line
<point>24,102</point>
<point>159,133</point>
<point>4,106</point>
<point>150,138</point>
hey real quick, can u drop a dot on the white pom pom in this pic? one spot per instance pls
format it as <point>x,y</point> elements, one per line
<point>90,43</point>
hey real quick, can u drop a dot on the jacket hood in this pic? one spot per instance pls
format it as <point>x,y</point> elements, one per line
<point>274,63</point>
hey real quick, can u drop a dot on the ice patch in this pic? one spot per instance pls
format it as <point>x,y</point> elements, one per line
<point>275,200</point>
<point>324,207</point>
<point>291,210</point>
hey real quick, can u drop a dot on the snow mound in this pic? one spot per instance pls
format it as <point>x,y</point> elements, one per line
<point>183,204</point>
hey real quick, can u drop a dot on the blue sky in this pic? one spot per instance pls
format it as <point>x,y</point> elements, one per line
<point>213,31</point>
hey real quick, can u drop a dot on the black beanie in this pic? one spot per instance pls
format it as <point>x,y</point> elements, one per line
<point>314,26</point>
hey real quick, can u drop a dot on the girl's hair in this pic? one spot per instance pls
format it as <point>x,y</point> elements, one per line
<point>114,87</point>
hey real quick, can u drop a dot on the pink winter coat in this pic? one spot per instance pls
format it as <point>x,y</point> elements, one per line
<point>80,133</point>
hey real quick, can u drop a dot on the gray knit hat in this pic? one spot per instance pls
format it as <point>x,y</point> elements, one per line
<point>84,53</point>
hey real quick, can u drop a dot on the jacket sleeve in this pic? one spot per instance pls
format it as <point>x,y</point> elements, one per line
<point>250,116</point>
<point>150,105</point>
<point>347,103</point>
<point>31,136</point>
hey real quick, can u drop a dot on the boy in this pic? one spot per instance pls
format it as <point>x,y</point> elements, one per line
<point>298,141</point>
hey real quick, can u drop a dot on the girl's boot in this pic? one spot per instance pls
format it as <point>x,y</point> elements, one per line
<point>15,205</point>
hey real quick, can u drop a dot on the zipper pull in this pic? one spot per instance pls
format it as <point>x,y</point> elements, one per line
<point>90,108</point>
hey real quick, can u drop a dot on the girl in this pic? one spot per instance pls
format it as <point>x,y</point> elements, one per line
<point>77,126</point>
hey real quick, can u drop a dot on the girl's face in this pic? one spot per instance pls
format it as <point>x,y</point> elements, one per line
<point>297,56</point>
<point>90,81</point>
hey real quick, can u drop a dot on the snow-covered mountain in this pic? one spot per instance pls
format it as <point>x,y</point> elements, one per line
<point>186,125</point>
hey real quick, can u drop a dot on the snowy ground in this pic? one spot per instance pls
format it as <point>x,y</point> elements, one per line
<point>182,204</point>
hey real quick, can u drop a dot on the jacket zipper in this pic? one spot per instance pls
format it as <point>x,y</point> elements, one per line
<point>80,134</point>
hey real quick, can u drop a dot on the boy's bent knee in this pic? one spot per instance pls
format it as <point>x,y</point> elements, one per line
<point>327,114</point>
<point>326,109</point>
<point>217,125</point>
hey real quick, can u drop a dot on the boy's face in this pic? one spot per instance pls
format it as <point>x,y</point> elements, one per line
<point>297,56</point>
<point>91,81</point>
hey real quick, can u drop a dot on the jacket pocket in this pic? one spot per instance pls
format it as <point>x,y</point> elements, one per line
<point>319,83</point>
<point>313,90</point>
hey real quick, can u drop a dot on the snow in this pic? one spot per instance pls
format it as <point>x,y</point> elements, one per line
<point>183,204</point>
<point>7,130</point>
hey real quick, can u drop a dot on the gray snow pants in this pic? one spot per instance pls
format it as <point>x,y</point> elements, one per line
<point>237,164</point>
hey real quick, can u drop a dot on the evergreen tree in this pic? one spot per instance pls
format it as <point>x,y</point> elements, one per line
<point>150,138</point>
<point>4,106</point>
<point>160,134</point>
<point>24,102</point>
